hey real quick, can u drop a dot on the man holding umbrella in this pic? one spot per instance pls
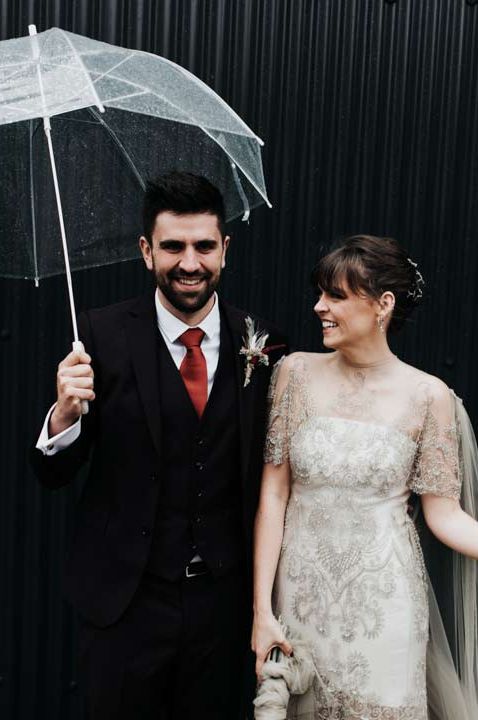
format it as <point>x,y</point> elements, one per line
<point>160,566</point>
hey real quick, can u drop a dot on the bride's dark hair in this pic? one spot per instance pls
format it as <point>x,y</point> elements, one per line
<point>372,265</point>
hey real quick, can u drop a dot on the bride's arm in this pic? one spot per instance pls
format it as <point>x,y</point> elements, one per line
<point>450,524</point>
<point>268,532</point>
<point>439,471</point>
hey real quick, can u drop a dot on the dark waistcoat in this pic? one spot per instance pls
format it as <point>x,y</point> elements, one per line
<point>199,509</point>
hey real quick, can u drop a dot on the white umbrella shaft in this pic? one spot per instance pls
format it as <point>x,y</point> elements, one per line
<point>62,229</point>
<point>77,344</point>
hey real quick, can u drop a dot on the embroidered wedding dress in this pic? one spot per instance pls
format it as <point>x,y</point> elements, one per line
<point>351,580</point>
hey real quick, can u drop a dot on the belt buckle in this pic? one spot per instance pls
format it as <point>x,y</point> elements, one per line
<point>192,574</point>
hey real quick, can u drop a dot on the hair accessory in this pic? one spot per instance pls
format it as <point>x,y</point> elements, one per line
<point>416,293</point>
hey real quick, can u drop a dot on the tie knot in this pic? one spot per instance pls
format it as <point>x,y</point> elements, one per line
<point>192,337</point>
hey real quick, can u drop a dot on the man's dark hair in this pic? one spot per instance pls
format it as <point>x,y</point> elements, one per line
<point>181,193</point>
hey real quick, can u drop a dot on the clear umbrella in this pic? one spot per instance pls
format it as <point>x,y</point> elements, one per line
<point>118,118</point>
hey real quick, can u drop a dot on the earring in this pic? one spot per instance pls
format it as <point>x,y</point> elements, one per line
<point>380,323</point>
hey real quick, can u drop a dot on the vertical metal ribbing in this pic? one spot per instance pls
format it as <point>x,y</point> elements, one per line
<point>369,112</point>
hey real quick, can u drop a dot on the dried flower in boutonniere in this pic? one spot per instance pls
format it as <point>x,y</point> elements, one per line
<point>254,348</point>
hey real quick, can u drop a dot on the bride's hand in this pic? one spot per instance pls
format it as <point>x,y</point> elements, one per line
<point>266,634</point>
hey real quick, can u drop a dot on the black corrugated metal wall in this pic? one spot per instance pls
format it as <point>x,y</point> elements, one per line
<point>370,115</point>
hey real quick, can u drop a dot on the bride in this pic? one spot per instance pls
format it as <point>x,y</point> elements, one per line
<point>352,434</point>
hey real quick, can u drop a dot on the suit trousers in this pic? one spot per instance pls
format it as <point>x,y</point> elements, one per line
<point>178,652</point>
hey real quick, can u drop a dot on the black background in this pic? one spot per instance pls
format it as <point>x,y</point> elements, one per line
<point>369,111</point>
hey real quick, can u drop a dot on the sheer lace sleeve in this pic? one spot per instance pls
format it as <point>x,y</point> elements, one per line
<point>284,408</point>
<point>436,468</point>
<point>276,449</point>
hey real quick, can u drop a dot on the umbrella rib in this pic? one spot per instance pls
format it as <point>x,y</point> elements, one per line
<point>89,72</point>
<point>240,190</point>
<point>63,118</point>
<point>66,102</point>
<point>146,90</point>
<point>121,147</point>
<point>32,205</point>
<point>179,69</point>
<point>172,104</point>
<point>202,84</point>
<point>122,97</point>
<point>199,82</point>
<point>121,62</point>
<point>18,71</point>
<point>98,103</point>
<point>253,183</point>
<point>18,109</point>
<point>125,97</point>
<point>77,93</point>
<point>91,83</point>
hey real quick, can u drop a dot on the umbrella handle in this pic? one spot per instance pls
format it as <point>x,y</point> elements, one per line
<point>80,348</point>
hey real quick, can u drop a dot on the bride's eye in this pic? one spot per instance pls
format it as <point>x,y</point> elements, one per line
<point>337,294</point>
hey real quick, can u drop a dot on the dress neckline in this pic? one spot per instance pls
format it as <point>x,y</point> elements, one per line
<point>367,366</point>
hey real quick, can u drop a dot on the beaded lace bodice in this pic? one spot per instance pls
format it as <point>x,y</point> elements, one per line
<point>391,428</point>
<point>351,576</point>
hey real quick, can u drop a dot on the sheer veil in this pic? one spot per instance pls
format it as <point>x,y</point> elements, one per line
<point>452,673</point>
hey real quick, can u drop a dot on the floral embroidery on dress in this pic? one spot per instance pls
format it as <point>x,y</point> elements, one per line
<point>351,576</point>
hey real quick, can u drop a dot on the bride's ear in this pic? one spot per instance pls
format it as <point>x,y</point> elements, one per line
<point>386,303</point>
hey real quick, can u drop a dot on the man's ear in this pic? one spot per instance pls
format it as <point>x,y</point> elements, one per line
<point>225,245</point>
<point>146,252</point>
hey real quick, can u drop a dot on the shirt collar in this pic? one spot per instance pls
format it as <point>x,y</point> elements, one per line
<point>172,327</point>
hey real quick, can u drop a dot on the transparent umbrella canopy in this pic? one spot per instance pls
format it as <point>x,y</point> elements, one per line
<point>113,119</point>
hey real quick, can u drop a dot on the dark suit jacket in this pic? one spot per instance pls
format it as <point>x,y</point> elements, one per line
<point>122,433</point>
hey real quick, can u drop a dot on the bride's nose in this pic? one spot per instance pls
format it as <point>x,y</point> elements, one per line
<point>321,305</point>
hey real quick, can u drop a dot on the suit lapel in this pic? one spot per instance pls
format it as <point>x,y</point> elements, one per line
<point>246,396</point>
<point>141,331</point>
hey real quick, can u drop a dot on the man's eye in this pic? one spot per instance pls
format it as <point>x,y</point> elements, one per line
<point>173,247</point>
<point>206,246</point>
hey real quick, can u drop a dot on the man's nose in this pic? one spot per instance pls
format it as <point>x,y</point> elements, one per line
<point>189,260</point>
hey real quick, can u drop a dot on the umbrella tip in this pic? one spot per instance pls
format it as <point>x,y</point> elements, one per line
<point>32,29</point>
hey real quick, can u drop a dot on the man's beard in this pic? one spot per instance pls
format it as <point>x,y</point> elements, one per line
<point>189,300</point>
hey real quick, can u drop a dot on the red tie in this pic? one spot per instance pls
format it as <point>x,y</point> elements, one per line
<point>194,369</point>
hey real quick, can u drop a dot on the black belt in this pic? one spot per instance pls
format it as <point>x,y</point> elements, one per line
<point>194,569</point>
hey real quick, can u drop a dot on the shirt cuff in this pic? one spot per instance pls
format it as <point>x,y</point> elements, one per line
<point>52,445</point>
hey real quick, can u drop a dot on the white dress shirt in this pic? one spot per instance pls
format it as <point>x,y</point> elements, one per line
<point>170,328</point>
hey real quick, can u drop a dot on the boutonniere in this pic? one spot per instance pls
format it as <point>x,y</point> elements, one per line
<point>255,349</point>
